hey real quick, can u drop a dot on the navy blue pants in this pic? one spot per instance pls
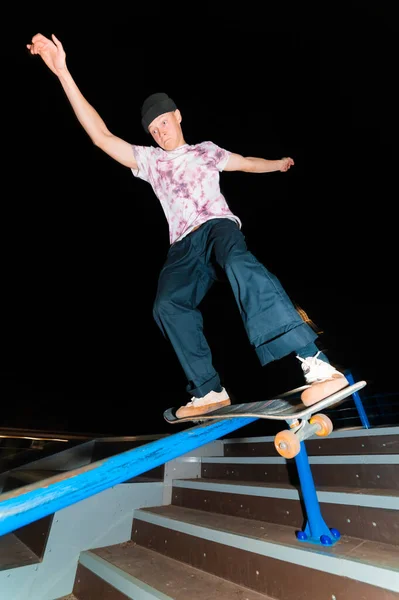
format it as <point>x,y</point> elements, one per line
<point>273,325</point>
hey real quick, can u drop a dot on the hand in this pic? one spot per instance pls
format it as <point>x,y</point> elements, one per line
<point>51,52</point>
<point>286,163</point>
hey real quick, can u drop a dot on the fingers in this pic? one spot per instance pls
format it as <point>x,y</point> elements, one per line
<point>38,38</point>
<point>287,163</point>
<point>39,42</point>
<point>36,47</point>
<point>57,42</point>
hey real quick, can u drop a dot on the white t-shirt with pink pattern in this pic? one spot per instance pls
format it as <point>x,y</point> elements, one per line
<point>186,182</point>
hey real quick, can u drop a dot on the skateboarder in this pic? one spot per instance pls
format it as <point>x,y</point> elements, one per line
<point>203,233</point>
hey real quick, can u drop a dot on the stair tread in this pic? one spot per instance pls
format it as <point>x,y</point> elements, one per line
<point>171,577</point>
<point>374,553</point>
<point>14,553</point>
<point>287,486</point>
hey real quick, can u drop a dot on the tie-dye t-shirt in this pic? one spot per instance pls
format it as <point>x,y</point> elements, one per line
<point>186,182</point>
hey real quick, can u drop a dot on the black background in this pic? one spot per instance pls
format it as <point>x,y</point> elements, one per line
<point>83,241</point>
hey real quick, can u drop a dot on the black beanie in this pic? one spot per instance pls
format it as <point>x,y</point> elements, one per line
<point>155,105</point>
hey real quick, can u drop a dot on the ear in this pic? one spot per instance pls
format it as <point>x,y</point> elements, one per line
<point>178,115</point>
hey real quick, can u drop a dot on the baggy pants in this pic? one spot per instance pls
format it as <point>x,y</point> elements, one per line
<point>273,325</point>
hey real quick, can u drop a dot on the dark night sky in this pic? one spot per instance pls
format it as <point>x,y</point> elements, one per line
<point>83,241</point>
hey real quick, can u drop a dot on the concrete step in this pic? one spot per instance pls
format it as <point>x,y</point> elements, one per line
<point>362,513</point>
<point>358,471</point>
<point>381,440</point>
<point>126,571</point>
<point>260,555</point>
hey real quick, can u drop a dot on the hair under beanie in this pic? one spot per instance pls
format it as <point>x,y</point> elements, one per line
<point>155,105</point>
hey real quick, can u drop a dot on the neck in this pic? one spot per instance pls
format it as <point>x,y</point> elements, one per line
<point>179,144</point>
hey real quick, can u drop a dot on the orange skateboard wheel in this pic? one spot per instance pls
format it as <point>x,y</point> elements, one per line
<point>325,424</point>
<point>287,444</point>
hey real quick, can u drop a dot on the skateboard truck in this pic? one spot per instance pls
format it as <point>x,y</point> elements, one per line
<point>287,442</point>
<point>290,444</point>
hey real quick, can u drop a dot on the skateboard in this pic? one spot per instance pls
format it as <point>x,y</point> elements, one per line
<point>304,421</point>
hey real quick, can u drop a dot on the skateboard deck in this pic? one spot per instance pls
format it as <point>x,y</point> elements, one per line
<point>277,408</point>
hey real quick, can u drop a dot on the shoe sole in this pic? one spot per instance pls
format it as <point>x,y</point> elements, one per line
<point>321,389</point>
<point>195,411</point>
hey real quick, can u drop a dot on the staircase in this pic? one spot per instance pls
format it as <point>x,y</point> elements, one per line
<point>220,523</point>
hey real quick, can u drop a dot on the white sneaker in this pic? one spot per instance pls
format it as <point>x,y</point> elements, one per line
<point>324,379</point>
<point>208,403</point>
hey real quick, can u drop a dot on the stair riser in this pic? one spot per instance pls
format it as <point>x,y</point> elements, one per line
<point>279,579</point>
<point>35,535</point>
<point>368,523</point>
<point>372,476</point>
<point>13,554</point>
<point>89,586</point>
<point>375,444</point>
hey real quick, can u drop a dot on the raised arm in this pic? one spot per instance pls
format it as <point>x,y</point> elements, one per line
<point>53,54</point>
<point>250,164</point>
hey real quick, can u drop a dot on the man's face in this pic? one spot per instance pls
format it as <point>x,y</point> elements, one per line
<point>166,130</point>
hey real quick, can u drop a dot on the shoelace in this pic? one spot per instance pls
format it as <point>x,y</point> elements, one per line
<point>316,369</point>
<point>310,361</point>
<point>198,402</point>
<point>211,398</point>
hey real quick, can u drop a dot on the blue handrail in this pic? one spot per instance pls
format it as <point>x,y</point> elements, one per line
<point>358,402</point>
<point>30,503</point>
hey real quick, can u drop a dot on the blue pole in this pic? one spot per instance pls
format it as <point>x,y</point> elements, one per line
<point>358,402</point>
<point>316,530</point>
<point>30,503</point>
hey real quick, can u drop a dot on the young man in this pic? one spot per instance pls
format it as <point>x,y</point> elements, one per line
<point>203,233</point>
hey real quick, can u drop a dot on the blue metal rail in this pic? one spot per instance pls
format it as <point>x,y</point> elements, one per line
<point>30,503</point>
<point>359,405</point>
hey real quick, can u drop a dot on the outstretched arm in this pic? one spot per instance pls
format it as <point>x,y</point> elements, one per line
<point>53,54</point>
<point>250,164</point>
